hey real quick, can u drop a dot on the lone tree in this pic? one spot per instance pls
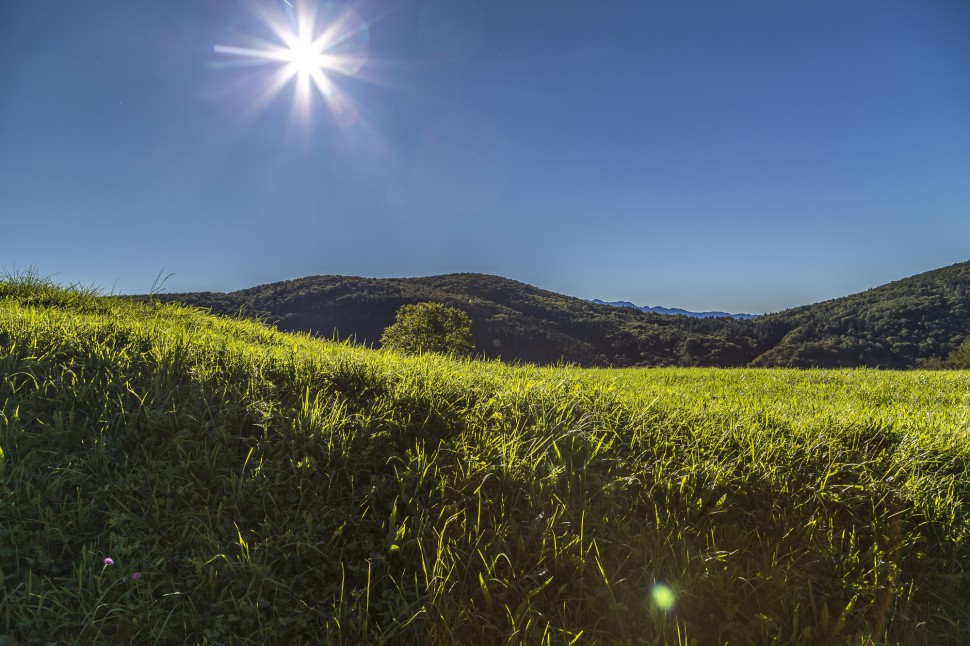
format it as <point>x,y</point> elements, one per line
<point>429,327</point>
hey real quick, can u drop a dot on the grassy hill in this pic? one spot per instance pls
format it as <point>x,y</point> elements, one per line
<point>893,326</point>
<point>253,486</point>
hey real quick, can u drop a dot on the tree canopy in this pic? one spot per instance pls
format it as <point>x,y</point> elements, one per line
<point>429,327</point>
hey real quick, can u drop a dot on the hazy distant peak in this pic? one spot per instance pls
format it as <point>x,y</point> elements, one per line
<point>673,311</point>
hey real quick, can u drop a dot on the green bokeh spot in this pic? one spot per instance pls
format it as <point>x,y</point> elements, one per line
<point>663,597</point>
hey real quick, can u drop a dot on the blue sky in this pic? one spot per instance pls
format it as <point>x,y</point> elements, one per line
<point>733,155</point>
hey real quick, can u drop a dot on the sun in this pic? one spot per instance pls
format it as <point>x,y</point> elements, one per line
<point>315,44</point>
<point>304,59</point>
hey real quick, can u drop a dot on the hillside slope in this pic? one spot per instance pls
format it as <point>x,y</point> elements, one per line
<point>892,326</point>
<point>171,477</point>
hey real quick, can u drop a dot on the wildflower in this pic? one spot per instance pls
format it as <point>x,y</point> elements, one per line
<point>109,561</point>
<point>135,576</point>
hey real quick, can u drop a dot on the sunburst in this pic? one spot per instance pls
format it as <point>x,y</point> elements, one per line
<point>315,44</point>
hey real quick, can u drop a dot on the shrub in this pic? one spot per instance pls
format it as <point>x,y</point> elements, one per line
<point>429,327</point>
<point>959,358</point>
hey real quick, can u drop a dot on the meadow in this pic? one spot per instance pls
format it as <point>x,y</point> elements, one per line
<point>167,476</point>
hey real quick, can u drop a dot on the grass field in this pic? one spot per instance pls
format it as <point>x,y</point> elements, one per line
<point>171,477</point>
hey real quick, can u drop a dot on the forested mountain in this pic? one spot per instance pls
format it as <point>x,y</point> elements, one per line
<point>892,326</point>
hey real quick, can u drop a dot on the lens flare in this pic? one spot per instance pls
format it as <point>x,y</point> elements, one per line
<point>315,44</point>
<point>663,597</point>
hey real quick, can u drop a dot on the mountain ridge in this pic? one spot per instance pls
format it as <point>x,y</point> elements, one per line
<point>895,325</point>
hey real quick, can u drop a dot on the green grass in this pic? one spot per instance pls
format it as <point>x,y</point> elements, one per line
<point>274,488</point>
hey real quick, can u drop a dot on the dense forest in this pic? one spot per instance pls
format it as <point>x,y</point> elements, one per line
<point>898,325</point>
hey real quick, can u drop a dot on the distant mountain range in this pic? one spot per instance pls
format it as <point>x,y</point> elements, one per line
<point>892,326</point>
<point>672,311</point>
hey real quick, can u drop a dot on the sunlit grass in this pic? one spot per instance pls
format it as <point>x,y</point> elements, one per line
<point>267,487</point>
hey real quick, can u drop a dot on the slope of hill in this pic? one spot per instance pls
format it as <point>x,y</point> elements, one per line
<point>172,477</point>
<point>893,326</point>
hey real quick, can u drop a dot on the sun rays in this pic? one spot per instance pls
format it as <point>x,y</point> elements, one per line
<point>313,44</point>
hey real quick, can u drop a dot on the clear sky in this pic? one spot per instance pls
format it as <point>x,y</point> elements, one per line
<point>722,154</point>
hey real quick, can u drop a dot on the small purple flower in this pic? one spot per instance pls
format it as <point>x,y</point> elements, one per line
<point>109,561</point>
<point>135,576</point>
